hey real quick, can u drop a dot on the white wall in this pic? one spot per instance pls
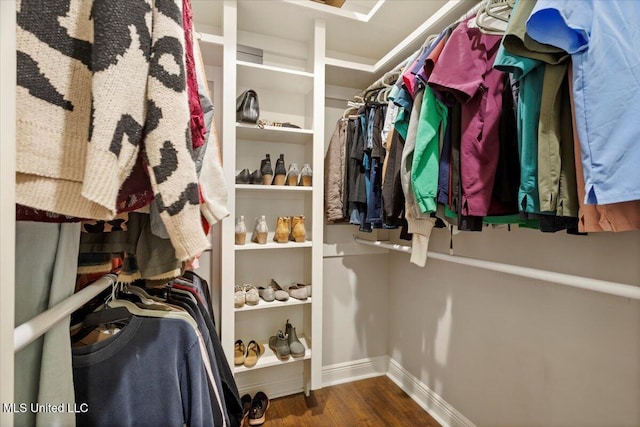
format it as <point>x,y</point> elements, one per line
<point>508,351</point>
<point>355,313</point>
<point>355,305</point>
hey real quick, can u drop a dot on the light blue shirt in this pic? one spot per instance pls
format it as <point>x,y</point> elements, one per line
<point>603,38</point>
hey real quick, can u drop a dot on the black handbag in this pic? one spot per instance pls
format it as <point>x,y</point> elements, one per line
<point>247,107</point>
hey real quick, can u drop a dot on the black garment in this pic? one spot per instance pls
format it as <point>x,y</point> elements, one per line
<point>357,187</point>
<point>392,195</point>
<point>507,178</point>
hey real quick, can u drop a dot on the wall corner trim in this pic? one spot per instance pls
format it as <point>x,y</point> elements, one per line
<point>428,399</point>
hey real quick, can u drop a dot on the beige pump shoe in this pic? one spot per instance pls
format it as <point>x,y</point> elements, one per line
<point>298,232</point>
<point>283,229</point>
<point>260,233</point>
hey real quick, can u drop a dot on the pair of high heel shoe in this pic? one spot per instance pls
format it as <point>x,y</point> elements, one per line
<point>287,229</point>
<point>266,175</point>
<point>290,228</point>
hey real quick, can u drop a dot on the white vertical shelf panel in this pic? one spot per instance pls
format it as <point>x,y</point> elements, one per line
<point>7,203</point>
<point>319,41</point>
<point>227,315</point>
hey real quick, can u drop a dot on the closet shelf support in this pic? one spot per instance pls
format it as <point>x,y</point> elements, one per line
<point>612,288</point>
<point>31,330</point>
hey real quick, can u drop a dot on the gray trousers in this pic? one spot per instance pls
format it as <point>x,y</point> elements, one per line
<point>46,262</point>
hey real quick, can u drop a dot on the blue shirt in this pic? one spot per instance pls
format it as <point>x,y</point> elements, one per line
<point>603,38</point>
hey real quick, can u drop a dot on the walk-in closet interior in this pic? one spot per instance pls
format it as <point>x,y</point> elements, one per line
<point>211,208</point>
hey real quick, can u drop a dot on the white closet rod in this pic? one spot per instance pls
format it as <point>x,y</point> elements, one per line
<point>29,331</point>
<point>603,286</point>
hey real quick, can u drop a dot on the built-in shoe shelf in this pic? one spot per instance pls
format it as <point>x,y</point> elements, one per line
<point>250,246</point>
<point>251,132</point>
<point>270,359</point>
<point>262,304</point>
<point>260,187</point>
<point>274,78</point>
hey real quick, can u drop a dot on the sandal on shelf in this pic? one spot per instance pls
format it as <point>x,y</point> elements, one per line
<point>254,351</point>
<point>238,353</point>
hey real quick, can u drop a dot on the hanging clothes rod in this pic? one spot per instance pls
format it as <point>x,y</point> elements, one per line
<point>31,330</point>
<point>603,286</point>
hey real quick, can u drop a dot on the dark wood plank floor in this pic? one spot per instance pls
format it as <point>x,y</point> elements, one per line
<point>372,402</point>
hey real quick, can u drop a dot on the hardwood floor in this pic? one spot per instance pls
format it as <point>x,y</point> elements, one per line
<point>372,402</point>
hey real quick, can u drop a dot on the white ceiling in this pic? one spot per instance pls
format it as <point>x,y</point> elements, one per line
<point>347,38</point>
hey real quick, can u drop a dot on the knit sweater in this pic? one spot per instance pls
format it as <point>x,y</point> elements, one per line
<point>98,81</point>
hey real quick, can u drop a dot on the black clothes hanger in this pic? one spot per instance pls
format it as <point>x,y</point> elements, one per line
<point>118,316</point>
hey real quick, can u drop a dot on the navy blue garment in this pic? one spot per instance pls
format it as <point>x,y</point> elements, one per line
<point>445,159</point>
<point>151,373</point>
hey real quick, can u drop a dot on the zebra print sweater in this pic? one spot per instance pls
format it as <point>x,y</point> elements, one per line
<point>97,82</point>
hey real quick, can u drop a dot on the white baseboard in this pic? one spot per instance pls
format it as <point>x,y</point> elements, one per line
<point>354,370</point>
<point>273,388</point>
<point>429,400</point>
<point>340,373</point>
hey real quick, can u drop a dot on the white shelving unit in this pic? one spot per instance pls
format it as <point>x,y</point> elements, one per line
<point>289,90</point>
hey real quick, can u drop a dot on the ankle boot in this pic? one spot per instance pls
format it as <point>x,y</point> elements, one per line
<point>241,231</point>
<point>292,174</point>
<point>298,232</point>
<point>266,170</point>
<point>296,348</point>
<point>306,176</point>
<point>280,172</point>
<point>279,345</point>
<point>260,232</point>
<point>282,230</point>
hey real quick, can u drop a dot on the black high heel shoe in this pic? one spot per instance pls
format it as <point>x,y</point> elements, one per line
<point>266,170</point>
<point>255,177</point>
<point>244,177</point>
<point>280,172</point>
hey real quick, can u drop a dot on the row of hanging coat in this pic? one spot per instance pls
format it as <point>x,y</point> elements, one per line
<point>492,122</point>
<point>118,163</point>
<point>150,357</point>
